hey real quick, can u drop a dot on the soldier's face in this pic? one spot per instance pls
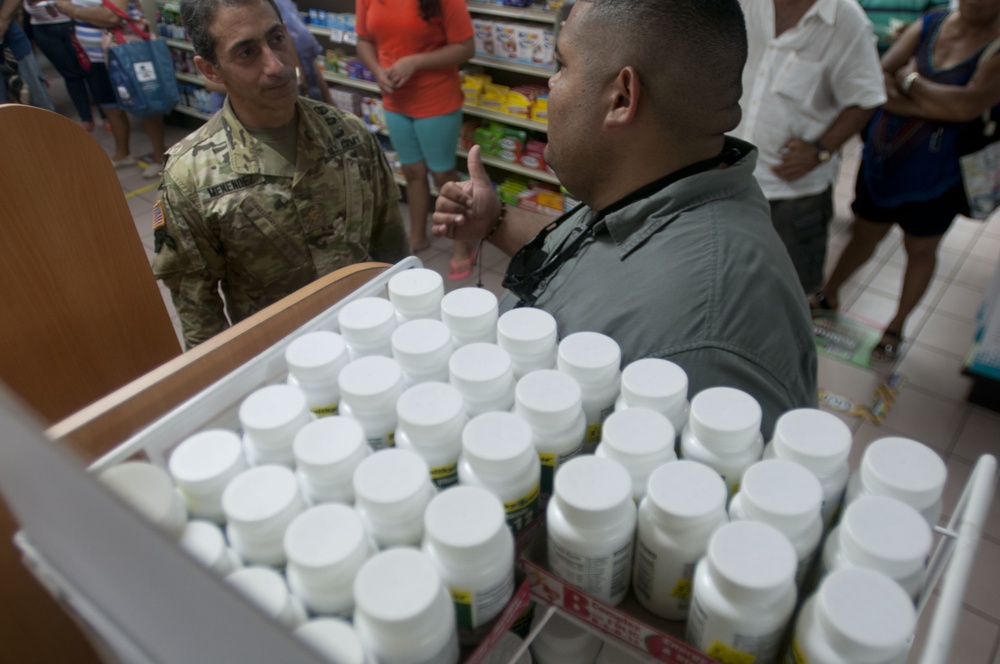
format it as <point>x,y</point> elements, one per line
<point>255,58</point>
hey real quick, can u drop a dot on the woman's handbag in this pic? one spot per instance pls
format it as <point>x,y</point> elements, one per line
<point>979,155</point>
<point>140,68</point>
<point>81,55</point>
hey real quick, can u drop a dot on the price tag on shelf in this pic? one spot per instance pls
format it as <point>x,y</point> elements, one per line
<point>336,35</point>
<point>350,38</point>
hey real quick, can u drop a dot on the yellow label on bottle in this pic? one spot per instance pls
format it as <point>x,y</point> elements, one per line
<point>548,470</point>
<point>682,589</point>
<point>796,655</point>
<point>522,511</point>
<point>524,501</point>
<point>325,411</point>
<point>391,438</point>
<point>594,433</point>
<point>719,651</point>
<point>444,476</point>
<point>548,459</point>
<point>462,600</point>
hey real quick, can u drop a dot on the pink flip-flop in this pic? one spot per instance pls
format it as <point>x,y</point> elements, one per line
<point>462,269</point>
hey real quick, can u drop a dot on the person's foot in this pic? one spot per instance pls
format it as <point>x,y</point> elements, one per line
<point>87,125</point>
<point>419,245</point>
<point>153,171</point>
<point>124,162</point>
<point>107,126</point>
<point>888,347</point>
<point>462,269</point>
<point>820,301</point>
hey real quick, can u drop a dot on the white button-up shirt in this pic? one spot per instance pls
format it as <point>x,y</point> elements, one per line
<point>795,85</point>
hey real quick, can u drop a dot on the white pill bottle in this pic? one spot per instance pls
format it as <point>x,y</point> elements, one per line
<point>334,639</point>
<point>659,385</point>
<point>484,375</point>
<point>821,443</point>
<point>744,594</point>
<point>314,363</point>
<point>431,417</point>
<point>591,527</point>
<point>529,335</point>
<point>422,349</point>
<point>327,452</point>
<point>369,389</point>
<point>857,616</point>
<point>202,466</point>
<point>594,361</point>
<point>471,315</point>
<point>416,294</point>
<point>467,539</point>
<point>684,505</point>
<point>639,439</point>
<point>367,324</point>
<point>723,432</point>
<point>391,492</point>
<point>270,417</point>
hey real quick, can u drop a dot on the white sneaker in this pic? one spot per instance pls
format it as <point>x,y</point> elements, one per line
<point>153,171</point>
<point>124,162</point>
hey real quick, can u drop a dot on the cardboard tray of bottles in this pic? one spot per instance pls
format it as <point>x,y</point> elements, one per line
<point>632,627</point>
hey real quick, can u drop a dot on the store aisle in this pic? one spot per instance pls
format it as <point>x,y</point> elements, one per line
<point>931,404</point>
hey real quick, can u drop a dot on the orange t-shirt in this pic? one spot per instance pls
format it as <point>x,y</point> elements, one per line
<point>397,30</point>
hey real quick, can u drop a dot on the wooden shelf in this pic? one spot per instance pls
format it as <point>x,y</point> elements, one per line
<point>535,174</point>
<point>351,82</point>
<point>510,65</point>
<point>524,13</point>
<point>179,43</point>
<point>189,78</point>
<point>512,120</point>
<point>193,112</point>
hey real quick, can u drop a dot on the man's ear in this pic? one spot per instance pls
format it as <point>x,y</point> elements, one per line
<point>625,92</point>
<point>208,70</point>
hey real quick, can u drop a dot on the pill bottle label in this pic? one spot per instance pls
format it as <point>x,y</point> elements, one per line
<point>552,461</point>
<point>743,649</point>
<point>522,511</point>
<point>382,442</point>
<point>445,476</point>
<point>325,411</point>
<point>604,576</point>
<point>473,609</point>
<point>594,433</point>
<point>645,574</point>
<point>795,654</point>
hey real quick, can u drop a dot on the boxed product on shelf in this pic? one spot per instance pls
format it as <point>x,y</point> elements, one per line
<point>512,142</point>
<point>372,112</point>
<point>505,40</point>
<point>472,87</point>
<point>346,99</point>
<point>488,139</point>
<point>493,97</point>
<point>482,30</point>
<point>531,44</point>
<point>540,108</point>
<point>533,155</point>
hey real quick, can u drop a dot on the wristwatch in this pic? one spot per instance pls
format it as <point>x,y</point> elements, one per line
<point>822,154</point>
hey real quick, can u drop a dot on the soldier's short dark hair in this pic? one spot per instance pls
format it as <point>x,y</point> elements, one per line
<point>198,17</point>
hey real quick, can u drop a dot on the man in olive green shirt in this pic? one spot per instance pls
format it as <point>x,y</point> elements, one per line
<point>274,190</point>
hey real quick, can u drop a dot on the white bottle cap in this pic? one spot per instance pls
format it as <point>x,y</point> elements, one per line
<point>470,312</point>
<point>390,480</point>
<point>526,331</point>
<point>399,592</point>
<point>812,438</point>
<point>589,357</point>
<point>316,357</point>
<point>865,616</point>
<point>422,345</point>
<point>750,559</point>
<point>640,439</point>
<point>431,414</point>
<point>203,465</point>
<point>904,469</point>
<point>548,399</point>
<point>272,415</point>
<point>262,501</point>
<point>367,322</point>
<point>781,493</point>
<point>334,639</point>
<point>497,443</point>
<point>150,492</point>
<point>324,536</point>
<point>725,418</point>
<point>371,383</point>
<point>206,544</point>
<point>467,523</point>
<point>591,490</point>
<point>562,636</point>
<point>886,535</point>
<point>480,370</point>
<point>683,493</point>
<point>417,293</point>
<point>656,384</point>
<point>330,448</point>
<point>267,590</point>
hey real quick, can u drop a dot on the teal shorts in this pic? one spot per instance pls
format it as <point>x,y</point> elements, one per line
<point>430,140</point>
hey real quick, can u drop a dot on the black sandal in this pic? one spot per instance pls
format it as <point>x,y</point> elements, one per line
<point>818,301</point>
<point>888,347</point>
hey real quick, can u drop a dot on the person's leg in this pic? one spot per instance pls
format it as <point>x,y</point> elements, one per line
<point>156,130</point>
<point>921,262</point>
<point>865,237</point>
<point>32,76</point>
<point>104,94</point>
<point>802,225</point>
<point>438,138</point>
<point>54,42</point>
<point>418,191</point>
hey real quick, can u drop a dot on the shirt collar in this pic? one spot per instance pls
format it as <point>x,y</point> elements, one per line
<point>247,155</point>
<point>826,10</point>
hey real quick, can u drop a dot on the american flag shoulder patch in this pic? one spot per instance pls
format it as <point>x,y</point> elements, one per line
<point>158,220</point>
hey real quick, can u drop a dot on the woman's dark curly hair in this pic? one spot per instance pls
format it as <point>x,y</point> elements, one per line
<point>429,9</point>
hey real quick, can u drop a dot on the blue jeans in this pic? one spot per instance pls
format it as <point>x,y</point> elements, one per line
<point>54,40</point>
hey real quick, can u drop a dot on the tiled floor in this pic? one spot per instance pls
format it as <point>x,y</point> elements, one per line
<point>930,407</point>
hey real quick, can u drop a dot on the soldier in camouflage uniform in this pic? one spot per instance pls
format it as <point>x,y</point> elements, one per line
<point>236,217</point>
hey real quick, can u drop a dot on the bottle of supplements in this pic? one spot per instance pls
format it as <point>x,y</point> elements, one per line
<point>403,613</point>
<point>267,590</point>
<point>202,466</point>
<point>369,389</point>
<point>391,491</point>
<point>416,294</point>
<point>206,544</point>
<point>314,362</point>
<point>467,539</point>
<point>529,336</point>
<point>659,385</point>
<point>785,495</point>
<point>594,361</point>
<point>431,418</point>
<point>549,401</point>
<point>334,639</point>
<point>639,439</point>
<point>484,376</point>
<point>723,432</point>
<point>562,641</point>
<point>327,452</point>
<point>270,418</point>
<point>149,491</point>
<point>367,325</point>
<point>685,505</point>
<point>498,455</point>
<point>857,615</point>
<point>591,522</point>
<point>471,315</point>
<point>422,348</point>
<point>260,503</point>
<point>820,443</point>
<point>882,534</point>
<point>325,547</point>
<point>903,469</point>
<point>743,601</point>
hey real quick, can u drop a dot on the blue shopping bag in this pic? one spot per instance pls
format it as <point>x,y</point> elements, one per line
<point>141,70</point>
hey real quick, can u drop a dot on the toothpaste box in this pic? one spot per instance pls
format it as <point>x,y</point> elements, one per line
<point>482,34</point>
<point>505,40</point>
<point>531,44</point>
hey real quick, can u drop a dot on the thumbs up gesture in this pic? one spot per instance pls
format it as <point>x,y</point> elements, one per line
<point>467,210</point>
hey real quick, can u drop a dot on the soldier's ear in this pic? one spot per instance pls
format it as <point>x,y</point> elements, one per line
<point>208,70</point>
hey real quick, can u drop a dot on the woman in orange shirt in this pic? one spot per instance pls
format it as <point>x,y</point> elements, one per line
<point>414,48</point>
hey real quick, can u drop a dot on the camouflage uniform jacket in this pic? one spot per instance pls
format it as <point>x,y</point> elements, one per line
<point>235,216</point>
